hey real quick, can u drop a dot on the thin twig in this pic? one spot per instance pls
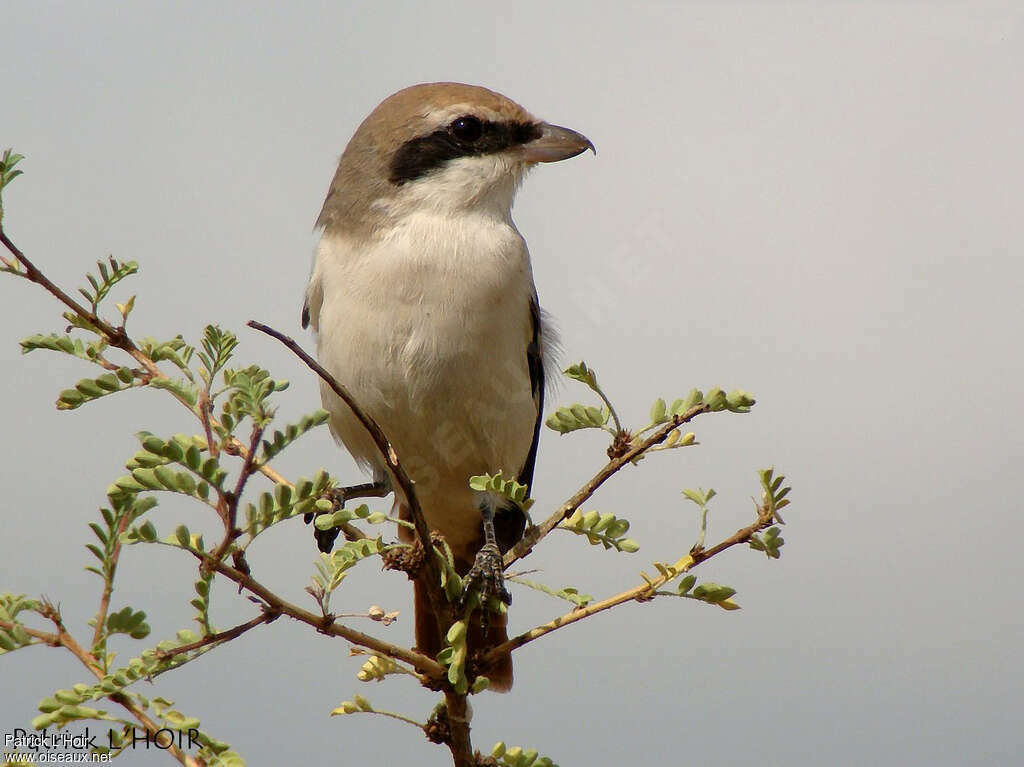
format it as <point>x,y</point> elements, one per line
<point>687,563</point>
<point>108,586</point>
<point>205,408</point>
<point>267,616</point>
<point>325,624</point>
<point>534,534</point>
<point>232,499</point>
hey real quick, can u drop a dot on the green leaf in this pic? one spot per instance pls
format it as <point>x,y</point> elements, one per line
<point>580,372</point>
<point>509,489</point>
<point>282,439</point>
<point>89,389</point>
<point>111,272</point>
<point>575,417</point>
<point>180,388</point>
<point>739,401</point>
<point>658,411</point>
<point>128,621</point>
<point>218,346</point>
<point>601,529</point>
<point>569,593</point>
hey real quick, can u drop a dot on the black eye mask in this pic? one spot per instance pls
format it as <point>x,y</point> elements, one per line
<point>466,136</point>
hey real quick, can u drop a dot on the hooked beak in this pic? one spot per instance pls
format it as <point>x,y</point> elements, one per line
<point>555,143</point>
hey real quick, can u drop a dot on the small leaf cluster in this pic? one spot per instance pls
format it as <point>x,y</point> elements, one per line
<point>769,542</point>
<point>332,568</point>
<point>773,496</point>
<point>601,529</point>
<point>712,593</point>
<point>150,468</point>
<point>356,705</point>
<point>453,656</point>
<point>217,347</point>
<point>202,600</point>
<point>250,392</point>
<point>286,501</point>
<point>282,439</point>
<point>569,593</point>
<point>506,488</point>
<point>701,497</point>
<point>576,417</point>
<point>123,509</point>
<point>89,389</point>
<point>174,350</point>
<point>110,273</point>
<point>7,174</point>
<point>377,667</point>
<point>328,520</point>
<point>90,351</point>
<point>517,757</point>
<point>128,621</point>
<point>15,637</point>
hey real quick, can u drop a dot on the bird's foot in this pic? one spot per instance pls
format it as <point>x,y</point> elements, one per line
<point>486,577</point>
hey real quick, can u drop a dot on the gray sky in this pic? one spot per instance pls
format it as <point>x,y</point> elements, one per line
<point>819,203</point>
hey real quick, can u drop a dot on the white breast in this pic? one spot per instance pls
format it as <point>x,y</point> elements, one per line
<point>428,328</point>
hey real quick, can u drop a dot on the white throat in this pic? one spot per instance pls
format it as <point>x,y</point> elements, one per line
<point>483,186</point>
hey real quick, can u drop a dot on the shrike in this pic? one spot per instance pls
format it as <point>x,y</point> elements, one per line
<point>423,301</point>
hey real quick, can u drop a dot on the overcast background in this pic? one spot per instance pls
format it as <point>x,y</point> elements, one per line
<point>817,202</point>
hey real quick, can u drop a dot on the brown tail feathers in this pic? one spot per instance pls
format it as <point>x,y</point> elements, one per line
<point>428,639</point>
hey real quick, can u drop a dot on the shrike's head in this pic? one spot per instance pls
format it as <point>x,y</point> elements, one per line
<point>440,146</point>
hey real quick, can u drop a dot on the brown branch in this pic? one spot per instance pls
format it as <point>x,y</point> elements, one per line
<point>534,534</point>
<point>116,336</point>
<point>205,406</point>
<point>230,500</point>
<point>432,577</point>
<point>268,616</point>
<point>44,637</point>
<point>644,591</point>
<point>429,668</point>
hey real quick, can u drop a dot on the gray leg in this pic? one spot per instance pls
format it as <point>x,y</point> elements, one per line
<point>487,571</point>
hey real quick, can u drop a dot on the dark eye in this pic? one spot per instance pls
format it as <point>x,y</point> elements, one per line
<point>467,129</point>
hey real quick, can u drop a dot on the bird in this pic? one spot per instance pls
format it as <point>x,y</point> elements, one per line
<point>423,304</point>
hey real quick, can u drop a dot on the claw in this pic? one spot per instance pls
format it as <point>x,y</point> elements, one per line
<point>487,576</point>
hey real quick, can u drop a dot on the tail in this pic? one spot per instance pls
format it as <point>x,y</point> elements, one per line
<point>428,640</point>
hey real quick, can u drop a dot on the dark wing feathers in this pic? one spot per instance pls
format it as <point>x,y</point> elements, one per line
<point>535,363</point>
